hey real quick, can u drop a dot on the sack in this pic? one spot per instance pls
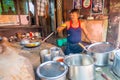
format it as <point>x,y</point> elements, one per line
<point>61,42</point>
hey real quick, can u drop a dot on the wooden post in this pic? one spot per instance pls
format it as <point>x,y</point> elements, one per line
<point>18,8</point>
<point>36,9</point>
<point>59,14</point>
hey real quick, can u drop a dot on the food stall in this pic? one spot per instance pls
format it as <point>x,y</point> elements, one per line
<point>18,27</point>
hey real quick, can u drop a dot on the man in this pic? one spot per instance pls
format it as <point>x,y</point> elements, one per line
<point>43,14</point>
<point>74,29</point>
<point>10,12</point>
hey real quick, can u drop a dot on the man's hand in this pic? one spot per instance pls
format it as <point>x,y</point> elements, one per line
<point>59,29</point>
<point>93,41</point>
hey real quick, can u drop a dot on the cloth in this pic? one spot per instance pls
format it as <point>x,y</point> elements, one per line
<point>74,34</point>
<point>41,7</point>
<point>73,49</point>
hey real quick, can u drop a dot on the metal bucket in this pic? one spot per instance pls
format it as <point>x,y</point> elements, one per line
<point>55,52</point>
<point>101,52</point>
<point>52,70</point>
<point>116,64</point>
<point>81,67</point>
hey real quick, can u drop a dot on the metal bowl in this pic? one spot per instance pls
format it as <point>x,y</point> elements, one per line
<point>52,70</point>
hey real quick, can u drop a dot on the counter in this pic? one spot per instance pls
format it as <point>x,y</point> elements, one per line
<point>33,53</point>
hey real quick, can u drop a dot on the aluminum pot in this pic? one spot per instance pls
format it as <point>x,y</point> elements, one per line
<point>52,70</point>
<point>80,67</point>
<point>101,52</point>
<point>116,64</point>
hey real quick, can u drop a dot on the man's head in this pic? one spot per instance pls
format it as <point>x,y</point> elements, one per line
<point>74,14</point>
<point>10,8</point>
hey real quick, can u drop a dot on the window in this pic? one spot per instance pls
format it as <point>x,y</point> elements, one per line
<point>17,12</point>
<point>7,7</point>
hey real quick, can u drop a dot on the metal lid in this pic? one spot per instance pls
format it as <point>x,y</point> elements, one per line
<point>101,47</point>
<point>52,69</point>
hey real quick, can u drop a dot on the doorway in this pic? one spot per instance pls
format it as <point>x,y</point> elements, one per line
<point>52,12</point>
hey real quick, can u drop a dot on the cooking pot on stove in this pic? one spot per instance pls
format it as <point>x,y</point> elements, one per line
<point>116,63</point>
<point>101,52</point>
<point>80,67</point>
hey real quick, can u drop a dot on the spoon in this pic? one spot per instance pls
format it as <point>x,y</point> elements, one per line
<point>103,74</point>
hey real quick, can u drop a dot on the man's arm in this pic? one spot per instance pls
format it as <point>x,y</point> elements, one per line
<point>83,27</point>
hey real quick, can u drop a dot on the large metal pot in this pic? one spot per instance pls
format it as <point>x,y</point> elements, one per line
<point>52,70</point>
<point>101,52</point>
<point>81,67</point>
<point>116,64</point>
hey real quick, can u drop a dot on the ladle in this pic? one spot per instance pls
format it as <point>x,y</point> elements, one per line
<point>98,69</point>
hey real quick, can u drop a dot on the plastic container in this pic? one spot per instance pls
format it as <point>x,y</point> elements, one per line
<point>61,42</point>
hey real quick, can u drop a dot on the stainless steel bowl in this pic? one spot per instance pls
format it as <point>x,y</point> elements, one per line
<point>52,70</point>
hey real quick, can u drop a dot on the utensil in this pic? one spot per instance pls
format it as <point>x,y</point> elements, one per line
<point>44,55</point>
<point>47,37</point>
<point>55,52</point>
<point>82,46</point>
<point>35,44</point>
<point>81,67</point>
<point>52,70</point>
<point>98,69</point>
<point>32,44</point>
